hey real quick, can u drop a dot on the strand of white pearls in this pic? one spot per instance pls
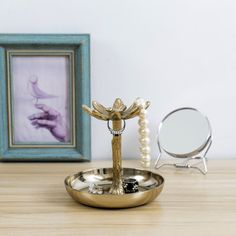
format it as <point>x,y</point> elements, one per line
<point>143,134</point>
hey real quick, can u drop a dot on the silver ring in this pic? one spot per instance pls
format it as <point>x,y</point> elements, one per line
<point>95,189</point>
<point>116,132</point>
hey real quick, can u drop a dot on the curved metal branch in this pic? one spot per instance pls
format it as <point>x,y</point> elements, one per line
<point>133,111</point>
<point>100,108</point>
<point>94,113</point>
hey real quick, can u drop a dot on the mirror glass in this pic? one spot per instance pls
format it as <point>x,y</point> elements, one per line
<point>184,132</point>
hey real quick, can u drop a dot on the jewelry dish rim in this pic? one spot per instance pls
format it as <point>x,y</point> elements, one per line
<point>126,200</point>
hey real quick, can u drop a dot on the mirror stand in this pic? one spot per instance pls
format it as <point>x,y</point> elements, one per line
<point>197,159</point>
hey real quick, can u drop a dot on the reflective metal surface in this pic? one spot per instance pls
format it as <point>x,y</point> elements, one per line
<point>150,186</point>
<point>185,133</point>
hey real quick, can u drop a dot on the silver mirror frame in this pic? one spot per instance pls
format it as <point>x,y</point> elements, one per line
<point>188,157</point>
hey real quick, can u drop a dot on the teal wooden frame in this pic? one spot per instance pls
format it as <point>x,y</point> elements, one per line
<point>80,45</point>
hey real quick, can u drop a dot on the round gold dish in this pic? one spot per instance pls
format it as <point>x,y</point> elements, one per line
<point>77,185</point>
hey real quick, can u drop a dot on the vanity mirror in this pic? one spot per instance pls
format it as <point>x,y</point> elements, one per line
<point>184,133</point>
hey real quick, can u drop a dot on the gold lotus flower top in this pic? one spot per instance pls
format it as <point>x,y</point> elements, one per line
<point>117,112</point>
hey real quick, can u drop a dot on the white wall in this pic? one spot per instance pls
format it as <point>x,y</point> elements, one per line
<point>173,52</point>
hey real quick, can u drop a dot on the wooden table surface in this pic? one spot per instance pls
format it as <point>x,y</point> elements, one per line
<point>33,201</point>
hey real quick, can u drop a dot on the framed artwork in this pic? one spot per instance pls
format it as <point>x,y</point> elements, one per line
<point>44,81</point>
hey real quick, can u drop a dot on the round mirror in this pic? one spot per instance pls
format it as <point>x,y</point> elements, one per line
<point>184,132</point>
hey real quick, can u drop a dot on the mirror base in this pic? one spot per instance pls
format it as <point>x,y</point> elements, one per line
<point>187,161</point>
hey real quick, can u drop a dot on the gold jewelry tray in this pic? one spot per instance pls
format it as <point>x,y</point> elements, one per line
<point>77,185</point>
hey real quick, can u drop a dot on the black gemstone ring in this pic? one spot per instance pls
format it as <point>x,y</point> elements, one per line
<point>130,185</point>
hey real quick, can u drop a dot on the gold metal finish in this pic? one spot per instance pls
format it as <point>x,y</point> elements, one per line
<point>116,187</point>
<point>150,186</point>
<point>117,113</point>
<point>110,180</point>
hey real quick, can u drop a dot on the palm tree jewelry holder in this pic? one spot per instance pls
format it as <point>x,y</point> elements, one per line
<point>110,187</point>
<point>116,114</point>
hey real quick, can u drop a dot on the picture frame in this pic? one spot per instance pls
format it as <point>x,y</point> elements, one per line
<point>44,81</point>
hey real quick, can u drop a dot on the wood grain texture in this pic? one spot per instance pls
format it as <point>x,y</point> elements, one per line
<point>33,201</point>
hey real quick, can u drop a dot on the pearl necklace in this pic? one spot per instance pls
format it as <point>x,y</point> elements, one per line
<point>144,131</point>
